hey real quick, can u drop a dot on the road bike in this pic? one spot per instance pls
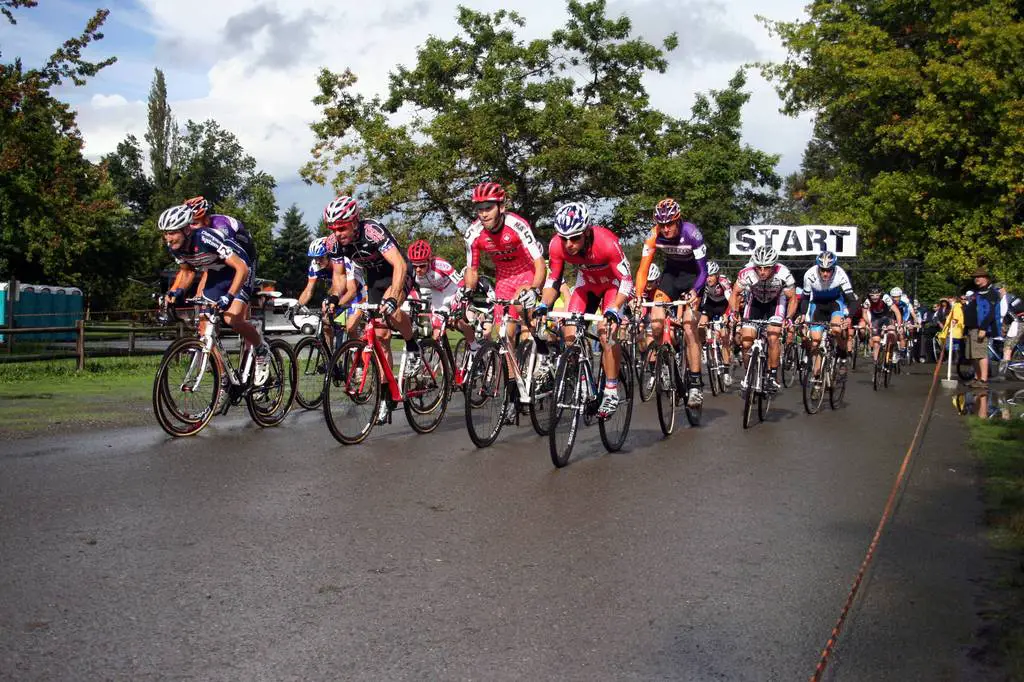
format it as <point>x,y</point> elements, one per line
<point>795,361</point>
<point>360,380</point>
<point>885,366</point>
<point>672,380</point>
<point>755,376</point>
<point>196,379</point>
<point>504,378</point>
<point>712,357</point>
<point>577,394</point>
<point>312,353</point>
<point>829,376</point>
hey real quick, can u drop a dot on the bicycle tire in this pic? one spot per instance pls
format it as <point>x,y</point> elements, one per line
<point>311,372</point>
<point>693,412</point>
<point>270,403</point>
<point>753,369</point>
<point>712,368</point>
<point>645,380</point>
<point>353,389</point>
<point>175,417</point>
<point>787,365</point>
<point>665,388</point>
<point>566,407</point>
<point>887,373</point>
<point>485,395</point>
<point>434,376</point>
<point>541,394</point>
<point>837,387</point>
<point>812,404</point>
<point>615,428</point>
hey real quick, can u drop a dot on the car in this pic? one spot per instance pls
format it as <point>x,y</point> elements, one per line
<point>276,320</point>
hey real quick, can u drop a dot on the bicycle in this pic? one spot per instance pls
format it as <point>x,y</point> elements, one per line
<point>794,362</point>
<point>993,349</point>
<point>827,378</point>
<point>671,378</point>
<point>885,364</point>
<point>713,358</point>
<point>577,394</point>
<point>504,376</point>
<point>755,376</point>
<point>196,380</point>
<point>312,355</point>
<point>459,359</point>
<point>360,378</point>
<point>635,331</point>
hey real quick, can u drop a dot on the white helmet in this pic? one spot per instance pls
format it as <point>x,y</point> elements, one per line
<point>342,209</point>
<point>572,219</point>
<point>653,273</point>
<point>712,268</point>
<point>175,218</point>
<point>764,256</point>
<point>895,292</point>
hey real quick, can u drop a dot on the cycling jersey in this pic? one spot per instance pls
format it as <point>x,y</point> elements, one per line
<point>207,250</point>
<point>684,253</point>
<point>905,311</point>
<point>326,275</point>
<point>881,307</point>
<point>770,289</point>
<point>715,300</point>
<point>440,277</point>
<point>602,271</point>
<point>837,287</point>
<point>234,229</point>
<point>372,240</point>
<point>512,249</point>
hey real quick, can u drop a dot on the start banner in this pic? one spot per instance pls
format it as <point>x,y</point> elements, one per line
<point>799,240</point>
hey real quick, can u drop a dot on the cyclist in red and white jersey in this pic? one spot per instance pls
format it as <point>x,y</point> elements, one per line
<point>509,242</point>
<point>714,305</point>
<point>440,280</point>
<point>603,281</point>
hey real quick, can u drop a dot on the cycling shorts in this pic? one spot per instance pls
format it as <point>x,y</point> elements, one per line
<point>677,281</point>
<point>821,312</point>
<point>508,288</point>
<point>878,322</point>
<point>218,283</point>
<point>758,310</point>
<point>589,299</point>
<point>714,309</point>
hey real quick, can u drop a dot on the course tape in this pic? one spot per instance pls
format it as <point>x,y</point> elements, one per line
<point>890,505</point>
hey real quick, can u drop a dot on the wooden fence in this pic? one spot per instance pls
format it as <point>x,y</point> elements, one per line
<point>99,334</point>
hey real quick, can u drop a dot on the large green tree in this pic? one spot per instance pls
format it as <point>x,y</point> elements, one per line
<point>920,107</point>
<point>290,247</point>
<point>553,119</point>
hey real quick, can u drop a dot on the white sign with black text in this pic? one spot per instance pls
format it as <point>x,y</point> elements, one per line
<point>798,240</point>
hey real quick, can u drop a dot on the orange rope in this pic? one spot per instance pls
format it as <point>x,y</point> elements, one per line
<point>826,653</point>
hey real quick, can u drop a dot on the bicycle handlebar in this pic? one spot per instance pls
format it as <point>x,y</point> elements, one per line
<point>565,315</point>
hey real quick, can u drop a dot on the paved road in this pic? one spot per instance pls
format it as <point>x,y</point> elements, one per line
<point>719,554</point>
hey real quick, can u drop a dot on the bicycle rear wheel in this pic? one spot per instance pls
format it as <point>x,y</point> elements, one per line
<point>566,407</point>
<point>665,388</point>
<point>186,388</point>
<point>311,370</point>
<point>645,362</point>
<point>269,403</point>
<point>425,394</point>
<point>814,387</point>
<point>542,388</point>
<point>788,365</point>
<point>352,392</point>
<point>615,428</point>
<point>837,385</point>
<point>711,364</point>
<point>485,393</point>
<point>751,378</point>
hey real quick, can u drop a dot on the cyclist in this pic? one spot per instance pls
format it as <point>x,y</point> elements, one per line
<point>509,241</point>
<point>880,314</point>
<point>908,314</point>
<point>771,296</point>
<point>371,246</point>
<point>322,268</point>
<point>829,297</point>
<point>438,277</point>
<point>683,278</point>
<point>603,282</point>
<point>714,306</point>
<point>227,274</point>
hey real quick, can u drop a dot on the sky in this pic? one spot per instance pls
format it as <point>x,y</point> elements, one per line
<point>252,64</point>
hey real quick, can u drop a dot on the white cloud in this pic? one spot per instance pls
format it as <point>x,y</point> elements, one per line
<point>260,60</point>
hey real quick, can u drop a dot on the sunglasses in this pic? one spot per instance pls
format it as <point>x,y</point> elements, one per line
<point>420,265</point>
<point>341,225</point>
<point>484,206</point>
<point>575,238</point>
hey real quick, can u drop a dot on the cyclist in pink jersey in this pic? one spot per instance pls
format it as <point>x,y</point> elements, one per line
<point>508,239</point>
<point>603,281</point>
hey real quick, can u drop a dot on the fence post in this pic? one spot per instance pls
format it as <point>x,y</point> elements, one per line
<point>80,343</point>
<point>12,297</point>
<point>131,337</point>
<point>180,329</point>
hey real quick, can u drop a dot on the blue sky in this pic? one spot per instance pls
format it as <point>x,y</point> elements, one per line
<point>251,64</point>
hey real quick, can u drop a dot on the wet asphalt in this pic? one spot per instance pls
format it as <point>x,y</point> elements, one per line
<point>716,554</point>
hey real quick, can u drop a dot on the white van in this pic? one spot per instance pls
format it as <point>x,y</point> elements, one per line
<point>275,319</point>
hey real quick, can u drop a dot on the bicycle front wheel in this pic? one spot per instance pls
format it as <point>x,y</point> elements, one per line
<point>542,390</point>
<point>788,368</point>
<point>665,387</point>
<point>311,369</point>
<point>615,428</point>
<point>837,385</point>
<point>566,406</point>
<point>186,388</point>
<point>814,387</point>
<point>751,378</point>
<point>426,393</point>
<point>485,395</point>
<point>269,403</point>
<point>352,393</point>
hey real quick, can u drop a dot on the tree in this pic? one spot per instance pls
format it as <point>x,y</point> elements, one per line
<point>290,247</point>
<point>919,107</point>
<point>160,135</point>
<point>555,119</point>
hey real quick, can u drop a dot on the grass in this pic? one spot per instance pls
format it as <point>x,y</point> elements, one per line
<point>999,446</point>
<point>49,396</point>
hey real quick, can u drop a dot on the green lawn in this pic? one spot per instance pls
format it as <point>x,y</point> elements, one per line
<point>999,446</point>
<point>37,397</point>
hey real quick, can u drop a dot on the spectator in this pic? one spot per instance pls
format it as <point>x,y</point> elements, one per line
<point>1011,308</point>
<point>981,321</point>
<point>950,308</point>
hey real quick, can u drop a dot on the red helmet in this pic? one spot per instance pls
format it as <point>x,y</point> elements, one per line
<point>420,251</point>
<point>488,191</point>
<point>341,212</point>
<point>200,207</point>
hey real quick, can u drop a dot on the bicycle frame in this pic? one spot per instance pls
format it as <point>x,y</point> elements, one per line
<point>380,354</point>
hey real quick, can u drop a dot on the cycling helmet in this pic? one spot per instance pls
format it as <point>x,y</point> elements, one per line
<point>318,248</point>
<point>875,290</point>
<point>764,256</point>
<point>713,268</point>
<point>488,191</point>
<point>896,292</point>
<point>667,211</point>
<point>175,218</point>
<point>420,251</point>
<point>572,219</point>
<point>200,207</point>
<point>653,273</point>
<point>343,209</point>
<point>826,260</point>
